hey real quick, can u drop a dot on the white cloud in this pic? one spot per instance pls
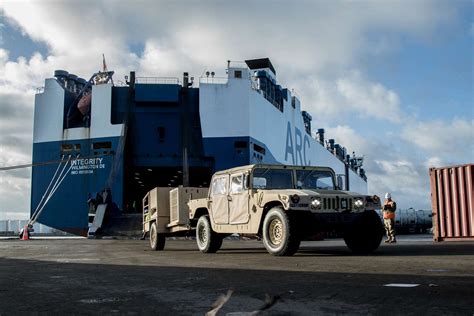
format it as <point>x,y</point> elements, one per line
<point>407,181</point>
<point>403,170</point>
<point>344,134</point>
<point>370,99</point>
<point>15,193</point>
<point>448,139</point>
<point>314,46</point>
<point>347,95</point>
<point>434,162</point>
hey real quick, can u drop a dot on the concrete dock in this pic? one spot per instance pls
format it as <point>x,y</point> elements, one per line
<point>80,276</point>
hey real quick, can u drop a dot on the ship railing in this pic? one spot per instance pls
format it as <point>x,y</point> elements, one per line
<point>213,80</point>
<point>39,90</point>
<point>157,80</point>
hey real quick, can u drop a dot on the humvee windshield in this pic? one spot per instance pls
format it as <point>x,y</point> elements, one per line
<point>314,180</point>
<point>267,178</point>
<point>264,178</point>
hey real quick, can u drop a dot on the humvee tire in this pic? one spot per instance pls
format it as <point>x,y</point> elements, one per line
<point>279,233</point>
<point>157,241</point>
<point>207,240</point>
<point>365,233</point>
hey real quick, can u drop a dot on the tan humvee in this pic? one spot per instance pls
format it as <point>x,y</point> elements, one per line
<point>283,205</point>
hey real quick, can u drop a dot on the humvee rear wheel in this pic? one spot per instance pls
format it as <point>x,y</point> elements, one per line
<point>279,233</point>
<point>207,240</point>
<point>365,233</point>
<point>157,241</point>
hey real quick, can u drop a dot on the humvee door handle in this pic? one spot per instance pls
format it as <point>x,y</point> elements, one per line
<point>229,198</point>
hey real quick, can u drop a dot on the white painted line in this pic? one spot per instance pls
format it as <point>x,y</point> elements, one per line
<point>401,285</point>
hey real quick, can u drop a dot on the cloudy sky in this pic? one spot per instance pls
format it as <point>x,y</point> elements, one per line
<point>392,80</point>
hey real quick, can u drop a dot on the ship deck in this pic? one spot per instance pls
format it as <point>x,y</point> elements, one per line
<point>80,276</point>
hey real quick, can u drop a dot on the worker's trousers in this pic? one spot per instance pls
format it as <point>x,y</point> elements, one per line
<point>390,228</point>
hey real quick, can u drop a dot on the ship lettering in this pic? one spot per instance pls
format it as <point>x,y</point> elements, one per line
<point>86,166</point>
<point>299,149</point>
<point>90,161</point>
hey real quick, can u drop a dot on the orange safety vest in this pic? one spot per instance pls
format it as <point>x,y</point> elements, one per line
<point>389,214</point>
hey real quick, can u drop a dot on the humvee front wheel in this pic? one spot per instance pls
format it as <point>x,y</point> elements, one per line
<point>157,240</point>
<point>279,233</point>
<point>365,233</point>
<point>207,240</point>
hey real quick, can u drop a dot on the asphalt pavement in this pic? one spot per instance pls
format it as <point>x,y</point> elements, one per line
<point>78,276</point>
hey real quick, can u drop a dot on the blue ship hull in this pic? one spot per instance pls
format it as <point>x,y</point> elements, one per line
<point>137,137</point>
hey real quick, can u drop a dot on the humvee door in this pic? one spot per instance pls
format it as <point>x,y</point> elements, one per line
<point>238,199</point>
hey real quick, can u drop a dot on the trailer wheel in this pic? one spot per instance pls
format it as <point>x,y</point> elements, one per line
<point>207,240</point>
<point>280,236</point>
<point>365,233</point>
<point>157,241</point>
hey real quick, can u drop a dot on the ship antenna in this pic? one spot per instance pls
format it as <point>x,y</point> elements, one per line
<point>104,65</point>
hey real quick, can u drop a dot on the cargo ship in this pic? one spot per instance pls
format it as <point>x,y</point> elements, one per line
<point>96,141</point>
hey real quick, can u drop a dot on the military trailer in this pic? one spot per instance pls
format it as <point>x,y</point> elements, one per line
<point>166,213</point>
<point>281,204</point>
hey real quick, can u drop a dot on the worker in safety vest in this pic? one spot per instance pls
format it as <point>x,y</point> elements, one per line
<point>389,207</point>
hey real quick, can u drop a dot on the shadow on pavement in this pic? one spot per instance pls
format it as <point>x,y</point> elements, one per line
<point>30,286</point>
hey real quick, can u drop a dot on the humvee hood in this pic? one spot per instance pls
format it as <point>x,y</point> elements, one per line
<point>314,192</point>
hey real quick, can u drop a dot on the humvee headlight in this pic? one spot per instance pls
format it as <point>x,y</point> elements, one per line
<point>316,204</point>
<point>295,198</point>
<point>358,203</point>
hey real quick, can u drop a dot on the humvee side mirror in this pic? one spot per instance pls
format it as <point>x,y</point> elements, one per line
<point>246,181</point>
<point>339,185</point>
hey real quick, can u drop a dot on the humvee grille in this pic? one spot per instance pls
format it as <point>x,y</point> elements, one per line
<point>337,203</point>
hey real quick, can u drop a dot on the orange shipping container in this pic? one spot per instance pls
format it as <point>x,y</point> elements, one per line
<point>452,199</point>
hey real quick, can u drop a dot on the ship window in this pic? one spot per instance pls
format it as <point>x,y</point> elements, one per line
<point>66,147</point>
<point>293,102</point>
<point>102,145</point>
<point>259,149</point>
<point>77,146</point>
<point>240,144</point>
<point>161,134</point>
<point>238,74</point>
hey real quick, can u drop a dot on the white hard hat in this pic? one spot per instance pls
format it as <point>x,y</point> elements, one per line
<point>388,195</point>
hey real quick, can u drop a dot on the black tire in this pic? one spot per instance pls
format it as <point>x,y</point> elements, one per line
<point>207,240</point>
<point>280,236</point>
<point>365,233</point>
<point>157,241</point>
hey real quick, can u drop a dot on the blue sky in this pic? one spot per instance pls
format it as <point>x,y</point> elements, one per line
<point>437,73</point>
<point>17,42</point>
<point>391,80</point>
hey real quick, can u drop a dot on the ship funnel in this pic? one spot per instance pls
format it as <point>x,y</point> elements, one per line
<point>338,151</point>
<point>320,136</point>
<point>307,121</point>
<point>61,76</point>
<point>185,79</point>
<point>331,143</point>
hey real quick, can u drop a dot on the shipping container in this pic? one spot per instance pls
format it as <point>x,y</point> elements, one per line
<point>452,199</point>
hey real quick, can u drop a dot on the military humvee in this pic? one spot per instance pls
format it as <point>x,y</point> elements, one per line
<point>283,205</point>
